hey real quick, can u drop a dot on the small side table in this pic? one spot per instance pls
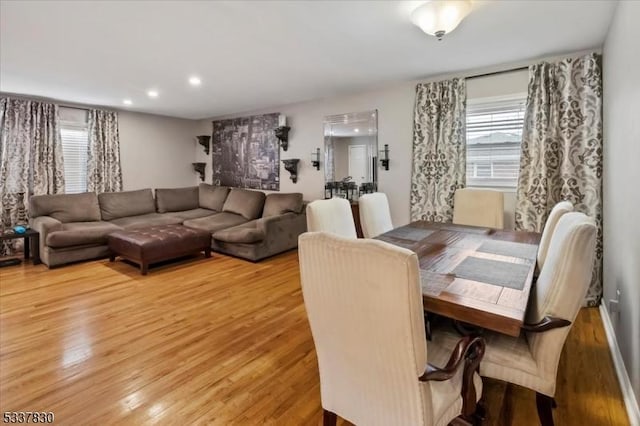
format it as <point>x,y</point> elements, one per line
<point>29,237</point>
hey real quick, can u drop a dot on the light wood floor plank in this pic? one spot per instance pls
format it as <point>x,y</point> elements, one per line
<point>214,341</point>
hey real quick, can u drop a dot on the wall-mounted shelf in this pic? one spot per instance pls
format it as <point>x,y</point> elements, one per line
<point>204,140</point>
<point>282,133</point>
<point>291,165</point>
<point>199,168</point>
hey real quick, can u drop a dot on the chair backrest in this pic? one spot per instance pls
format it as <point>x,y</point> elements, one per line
<point>364,303</point>
<point>561,287</point>
<point>552,221</point>
<point>479,207</point>
<point>333,215</point>
<point>375,216</point>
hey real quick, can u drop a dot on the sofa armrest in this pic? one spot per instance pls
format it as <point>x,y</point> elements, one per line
<point>282,231</point>
<point>44,225</point>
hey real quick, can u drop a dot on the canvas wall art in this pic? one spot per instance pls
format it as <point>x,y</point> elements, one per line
<point>246,153</point>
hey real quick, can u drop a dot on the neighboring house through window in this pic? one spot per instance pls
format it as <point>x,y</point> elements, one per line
<point>494,136</point>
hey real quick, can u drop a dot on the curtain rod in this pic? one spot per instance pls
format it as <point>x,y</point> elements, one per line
<point>496,72</point>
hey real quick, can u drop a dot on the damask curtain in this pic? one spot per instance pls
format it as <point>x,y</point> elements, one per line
<point>104,172</point>
<point>439,149</point>
<point>562,148</point>
<point>31,161</point>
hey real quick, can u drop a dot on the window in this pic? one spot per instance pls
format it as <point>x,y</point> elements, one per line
<point>75,146</point>
<point>494,135</point>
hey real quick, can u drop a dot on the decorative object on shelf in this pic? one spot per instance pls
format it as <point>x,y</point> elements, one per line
<point>367,188</point>
<point>204,141</point>
<point>315,159</point>
<point>199,167</point>
<point>440,17</point>
<point>384,157</point>
<point>19,229</point>
<point>291,165</point>
<point>245,152</point>
<point>346,188</point>
<point>282,132</point>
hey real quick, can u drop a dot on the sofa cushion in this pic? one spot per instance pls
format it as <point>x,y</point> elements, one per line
<point>244,202</point>
<point>247,233</point>
<point>66,207</point>
<point>277,204</point>
<point>144,220</point>
<point>114,205</point>
<point>193,214</point>
<point>177,199</point>
<point>216,222</point>
<point>212,197</point>
<point>81,233</point>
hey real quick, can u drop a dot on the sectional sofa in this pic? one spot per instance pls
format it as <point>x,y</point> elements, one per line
<point>243,223</point>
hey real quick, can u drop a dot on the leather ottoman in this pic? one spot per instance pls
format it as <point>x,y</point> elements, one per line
<point>158,243</point>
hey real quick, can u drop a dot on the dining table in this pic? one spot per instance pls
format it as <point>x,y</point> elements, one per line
<point>475,275</point>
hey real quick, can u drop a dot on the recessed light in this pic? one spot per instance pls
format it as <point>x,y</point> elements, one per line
<point>356,130</point>
<point>152,93</point>
<point>195,81</point>
<point>127,102</point>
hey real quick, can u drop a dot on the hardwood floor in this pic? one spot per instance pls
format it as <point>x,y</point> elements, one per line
<point>214,341</point>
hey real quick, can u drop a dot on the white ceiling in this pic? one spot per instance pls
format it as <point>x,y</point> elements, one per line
<point>257,54</point>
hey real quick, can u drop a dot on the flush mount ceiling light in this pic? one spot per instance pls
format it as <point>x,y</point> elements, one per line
<point>440,17</point>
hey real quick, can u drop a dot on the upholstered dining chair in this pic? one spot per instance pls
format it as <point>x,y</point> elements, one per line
<point>364,303</point>
<point>478,207</point>
<point>550,225</point>
<point>333,215</point>
<point>531,360</point>
<point>375,216</point>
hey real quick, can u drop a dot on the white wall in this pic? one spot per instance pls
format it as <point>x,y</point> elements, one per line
<point>395,127</point>
<point>621,178</point>
<point>156,151</point>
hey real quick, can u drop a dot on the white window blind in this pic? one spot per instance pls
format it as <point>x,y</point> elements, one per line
<point>75,145</point>
<point>494,136</point>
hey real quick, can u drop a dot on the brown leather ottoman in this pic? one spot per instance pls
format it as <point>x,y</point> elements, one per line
<point>158,243</point>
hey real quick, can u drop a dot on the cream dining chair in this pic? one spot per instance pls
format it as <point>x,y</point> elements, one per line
<point>333,215</point>
<point>531,360</point>
<point>549,227</point>
<point>375,216</point>
<point>364,303</point>
<point>479,207</point>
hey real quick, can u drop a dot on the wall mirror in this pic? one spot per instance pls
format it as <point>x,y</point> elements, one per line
<point>350,154</point>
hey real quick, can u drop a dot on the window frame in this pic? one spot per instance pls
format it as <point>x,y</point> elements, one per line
<point>515,97</point>
<point>74,126</point>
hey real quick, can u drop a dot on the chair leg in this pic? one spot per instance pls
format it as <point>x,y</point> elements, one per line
<point>545,407</point>
<point>329,418</point>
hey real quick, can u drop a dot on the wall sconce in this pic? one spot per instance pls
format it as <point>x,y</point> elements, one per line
<point>204,141</point>
<point>282,132</point>
<point>199,167</point>
<point>384,157</point>
<point>315,159</point>
<point>291,165</point>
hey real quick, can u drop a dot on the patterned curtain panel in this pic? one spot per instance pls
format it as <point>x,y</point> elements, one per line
<point>30,158</point>
<point>104,172</point>
<point>562,148</point>
<point>439,149</point>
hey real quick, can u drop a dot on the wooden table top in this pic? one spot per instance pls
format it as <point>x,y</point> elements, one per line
<point>441,247</point>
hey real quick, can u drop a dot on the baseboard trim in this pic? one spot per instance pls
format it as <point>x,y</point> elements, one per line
<point>630,401</point>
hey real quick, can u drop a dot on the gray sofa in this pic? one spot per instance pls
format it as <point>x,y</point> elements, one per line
<point>242,222</point>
